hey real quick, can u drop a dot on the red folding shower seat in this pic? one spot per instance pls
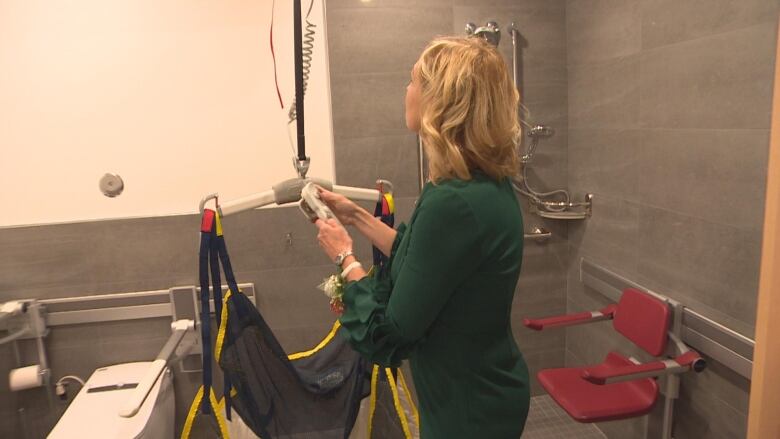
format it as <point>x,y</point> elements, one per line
<point>619,387</point>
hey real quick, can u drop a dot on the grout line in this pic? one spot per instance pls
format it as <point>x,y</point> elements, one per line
<point>546,420</point>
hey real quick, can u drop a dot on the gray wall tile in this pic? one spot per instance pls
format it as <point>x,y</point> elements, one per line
<point>369,105</point>
<point>671,21</point>
<point>334,5</point>
<point>701,415</point>
<point>723,384</point>
<point>578,296</point>
<point>70,259</point>
<point>605,94</point>
<point>611,236</point>
<point>261,240</point>
<point>10,426</point>
<point>599,30</point>
<point>549,78</point>
<point>604,161</point>
<point>547,170</point>
<point>546,99</point>
<point>715,82</point>
<point>508,3</point>
<point>540,275</point>
<point>34,416</point>
<point>707,266</point>
<point>712,404</point>
<point>187,385</point>
<point>694,171</point>
<point>360,161</point>
<point>357,46</point>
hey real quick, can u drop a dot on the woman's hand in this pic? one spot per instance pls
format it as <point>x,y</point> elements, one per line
<point>333,238</point>
<point>344,208</point>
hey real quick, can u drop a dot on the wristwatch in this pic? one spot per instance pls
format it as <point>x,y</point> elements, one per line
<point>341,256</point>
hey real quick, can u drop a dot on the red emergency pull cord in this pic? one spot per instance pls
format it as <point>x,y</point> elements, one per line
<point>273,55</point>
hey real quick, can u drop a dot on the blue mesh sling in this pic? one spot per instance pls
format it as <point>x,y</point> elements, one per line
<point>311,394</point>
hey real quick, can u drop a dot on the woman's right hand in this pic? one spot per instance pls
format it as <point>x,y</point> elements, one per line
<point>344,208</point>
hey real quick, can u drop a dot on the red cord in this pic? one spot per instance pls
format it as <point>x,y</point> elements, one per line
<point>273,55</point>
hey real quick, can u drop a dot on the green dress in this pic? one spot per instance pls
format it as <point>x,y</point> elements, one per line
<point>446,307</point>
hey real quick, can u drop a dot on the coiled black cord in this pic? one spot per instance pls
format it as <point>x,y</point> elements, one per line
<point>307,51</point>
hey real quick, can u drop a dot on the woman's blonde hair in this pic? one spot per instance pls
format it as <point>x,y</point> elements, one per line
<point>468,111</point>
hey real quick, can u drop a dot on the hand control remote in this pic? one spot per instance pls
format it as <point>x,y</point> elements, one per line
<point>312,206</point>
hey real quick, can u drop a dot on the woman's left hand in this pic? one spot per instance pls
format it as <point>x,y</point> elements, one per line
<point>333,238</point>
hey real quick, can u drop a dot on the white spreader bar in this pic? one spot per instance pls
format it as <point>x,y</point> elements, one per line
<point>289,191</point>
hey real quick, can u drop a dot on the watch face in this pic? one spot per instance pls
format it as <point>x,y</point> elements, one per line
<point>341,256</point>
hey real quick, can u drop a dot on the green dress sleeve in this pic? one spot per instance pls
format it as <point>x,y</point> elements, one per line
<point>385,319</point>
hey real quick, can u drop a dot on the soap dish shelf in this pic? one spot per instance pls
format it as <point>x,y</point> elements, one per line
<point>563,215</point>
<point>548,209</point>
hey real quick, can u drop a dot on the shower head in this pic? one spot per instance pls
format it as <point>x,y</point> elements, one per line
<point>541,131</point>
<point>489,32</point>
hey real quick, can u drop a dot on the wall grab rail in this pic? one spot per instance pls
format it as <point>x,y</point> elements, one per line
<point>118,306</point>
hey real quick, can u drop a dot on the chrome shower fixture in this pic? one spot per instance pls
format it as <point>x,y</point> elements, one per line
<point>489,32</point>
<point>535,133</point>
<point>541,131</point>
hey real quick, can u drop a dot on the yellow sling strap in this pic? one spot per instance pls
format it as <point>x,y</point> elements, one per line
<point>185,433</point>
<point>397,403</point>
<point>221,333</point>
<point>415,413</point>
<point>372,400</point>
<point>322,344</point>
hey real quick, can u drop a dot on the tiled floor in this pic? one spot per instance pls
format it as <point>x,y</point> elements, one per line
<point>546,420</point>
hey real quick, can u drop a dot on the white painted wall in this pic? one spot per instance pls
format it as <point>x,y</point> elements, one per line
<point>175,96</point>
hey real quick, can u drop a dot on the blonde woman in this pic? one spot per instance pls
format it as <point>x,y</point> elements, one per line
<point>447,300</point>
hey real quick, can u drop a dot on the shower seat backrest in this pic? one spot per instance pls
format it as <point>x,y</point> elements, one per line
<point>644,320</point>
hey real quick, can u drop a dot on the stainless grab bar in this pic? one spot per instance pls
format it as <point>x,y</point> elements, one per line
<point>538,234</point>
